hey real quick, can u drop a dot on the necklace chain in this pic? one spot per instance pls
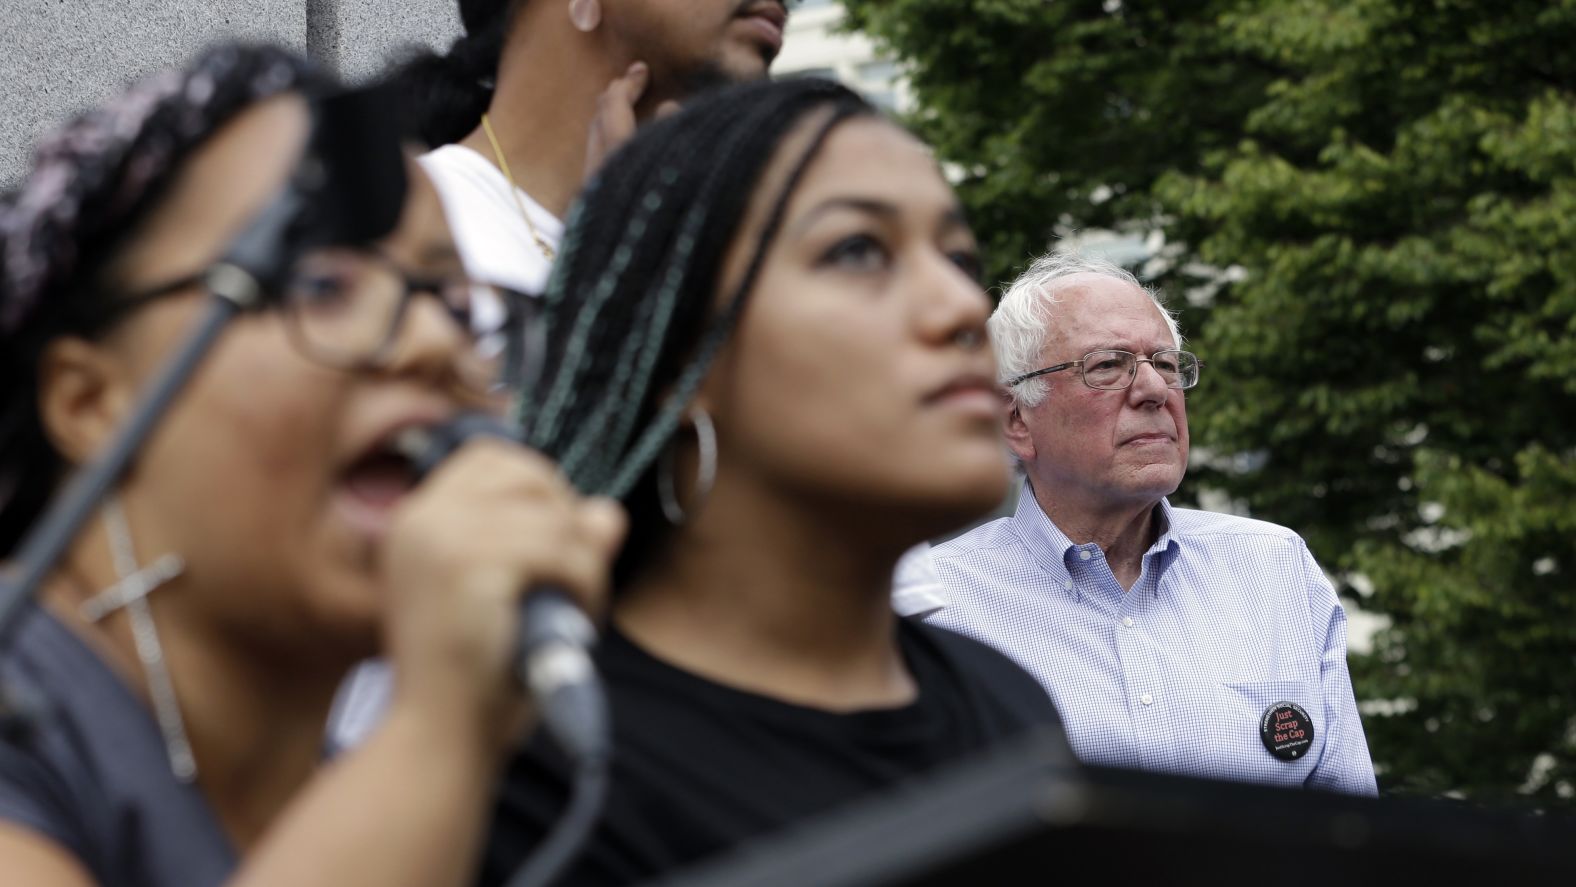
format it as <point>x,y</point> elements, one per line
<point>131,593</point>
<point>514,191</point>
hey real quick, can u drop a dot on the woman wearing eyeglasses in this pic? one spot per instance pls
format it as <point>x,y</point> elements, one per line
<point>178,669</point>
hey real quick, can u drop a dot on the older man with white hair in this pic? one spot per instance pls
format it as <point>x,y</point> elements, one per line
<point>1170,639</point>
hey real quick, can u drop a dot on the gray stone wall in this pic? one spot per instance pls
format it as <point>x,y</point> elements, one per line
<point>60,56</point>
<point>360,37</point>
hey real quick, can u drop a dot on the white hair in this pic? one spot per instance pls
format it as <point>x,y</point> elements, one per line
<point>1022,321</point>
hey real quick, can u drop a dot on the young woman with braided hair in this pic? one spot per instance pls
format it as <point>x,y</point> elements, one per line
<point>179,733</point>
<point>769,343</point>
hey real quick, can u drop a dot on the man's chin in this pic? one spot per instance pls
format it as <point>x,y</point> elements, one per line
<point>740,65</point>
<point>1155,492</point>
<point>1154,482</point>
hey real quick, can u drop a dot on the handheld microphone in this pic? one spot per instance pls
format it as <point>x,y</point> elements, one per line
<point>553,658</point>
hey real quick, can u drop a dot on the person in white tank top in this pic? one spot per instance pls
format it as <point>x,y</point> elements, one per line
<point>525,104</point>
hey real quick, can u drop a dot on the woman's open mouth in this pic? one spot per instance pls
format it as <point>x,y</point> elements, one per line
<point>372,486</point>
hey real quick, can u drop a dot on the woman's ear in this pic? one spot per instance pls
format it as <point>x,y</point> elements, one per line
<point>83,394</point>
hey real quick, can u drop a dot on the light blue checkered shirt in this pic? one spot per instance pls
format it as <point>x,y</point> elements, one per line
<point>1229,617</point>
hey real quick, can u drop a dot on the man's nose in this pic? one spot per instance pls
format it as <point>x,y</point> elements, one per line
<point>1149,387</point>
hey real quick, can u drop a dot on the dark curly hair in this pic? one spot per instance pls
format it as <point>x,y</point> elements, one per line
<point>448,92</point>
<point>91,184</point>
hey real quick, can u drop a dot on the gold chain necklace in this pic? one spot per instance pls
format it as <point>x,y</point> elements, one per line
<point>514,191</point>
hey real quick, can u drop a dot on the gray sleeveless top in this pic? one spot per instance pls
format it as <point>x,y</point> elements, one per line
<point>88,769</point>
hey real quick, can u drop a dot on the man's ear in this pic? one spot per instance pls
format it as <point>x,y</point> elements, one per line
<point>83,393</point>
<point>1017,433</point>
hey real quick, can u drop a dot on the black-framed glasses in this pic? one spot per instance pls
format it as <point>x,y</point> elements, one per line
<point>1114,370</point>
<point>345,307</point>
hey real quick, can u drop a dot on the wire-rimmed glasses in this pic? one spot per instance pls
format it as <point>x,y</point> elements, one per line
<point>1111,370</point>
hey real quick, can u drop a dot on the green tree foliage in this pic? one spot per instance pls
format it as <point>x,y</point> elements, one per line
<point>1059,113</point>
<point>1392,366</point>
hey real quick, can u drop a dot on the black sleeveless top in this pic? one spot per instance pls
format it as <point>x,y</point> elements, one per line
<point>699,767</point>
<point>88,769</point>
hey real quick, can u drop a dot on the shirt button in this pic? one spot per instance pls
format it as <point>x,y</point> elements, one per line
<point>1128,621</point>
<point>1146,699</point>
<point>1083,555</point>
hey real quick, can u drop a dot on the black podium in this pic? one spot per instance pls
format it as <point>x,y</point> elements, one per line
<point>1026,816</point>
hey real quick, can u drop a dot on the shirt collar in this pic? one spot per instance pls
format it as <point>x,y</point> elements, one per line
<point>1168,544</point>
<point>1046,542</point>
<point>1052,549</point>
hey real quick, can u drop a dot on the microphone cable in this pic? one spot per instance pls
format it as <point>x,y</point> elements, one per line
<point>554,666</point>
<point>570,833</point>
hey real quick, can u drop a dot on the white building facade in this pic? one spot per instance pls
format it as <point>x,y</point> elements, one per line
<point>816,45</point>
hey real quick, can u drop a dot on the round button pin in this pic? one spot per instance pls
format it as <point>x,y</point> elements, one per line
<point>1286,730</point>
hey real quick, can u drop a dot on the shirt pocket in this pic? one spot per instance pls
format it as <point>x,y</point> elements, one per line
<point>1245,705</point>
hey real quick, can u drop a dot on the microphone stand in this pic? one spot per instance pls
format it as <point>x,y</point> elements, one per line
<point>72,508</point>
<point>348,186</point>
<point>48,538</point>
<point>233,289</point>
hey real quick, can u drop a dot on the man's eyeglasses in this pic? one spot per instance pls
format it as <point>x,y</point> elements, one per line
<point>344,308</point>
<point>1115,370</point>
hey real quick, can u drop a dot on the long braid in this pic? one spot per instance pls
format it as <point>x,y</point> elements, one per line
<point>657,321</point>
<point>633,311</point>
<point>579,337</point>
